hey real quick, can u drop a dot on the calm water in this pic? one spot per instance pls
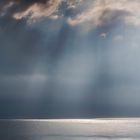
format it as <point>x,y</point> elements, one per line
<point>100,129</point>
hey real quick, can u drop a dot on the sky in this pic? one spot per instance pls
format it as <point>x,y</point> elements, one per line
<point>69,58</point>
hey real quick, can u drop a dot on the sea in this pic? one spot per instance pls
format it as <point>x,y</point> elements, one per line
<point>70,129</point>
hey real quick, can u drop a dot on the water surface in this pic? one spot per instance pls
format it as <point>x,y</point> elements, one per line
<point>94,129</point>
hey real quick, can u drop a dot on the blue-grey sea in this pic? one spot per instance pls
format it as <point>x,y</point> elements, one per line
<point>92,129</point>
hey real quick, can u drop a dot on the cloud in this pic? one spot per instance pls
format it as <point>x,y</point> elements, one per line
<point>106,12</point>
<point>33,9</point>
<point>38,10</point>
<point>103,35</point>
<point>94,13</point>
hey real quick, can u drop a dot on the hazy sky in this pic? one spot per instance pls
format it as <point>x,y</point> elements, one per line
<point>69,58</point>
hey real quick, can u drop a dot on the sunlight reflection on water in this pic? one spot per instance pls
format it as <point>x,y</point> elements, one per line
<point>96,129</point>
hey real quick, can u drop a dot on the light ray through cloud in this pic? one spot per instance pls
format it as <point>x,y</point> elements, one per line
<point>69,58</point>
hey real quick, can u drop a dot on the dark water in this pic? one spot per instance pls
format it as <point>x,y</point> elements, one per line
<point>105,129</point>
